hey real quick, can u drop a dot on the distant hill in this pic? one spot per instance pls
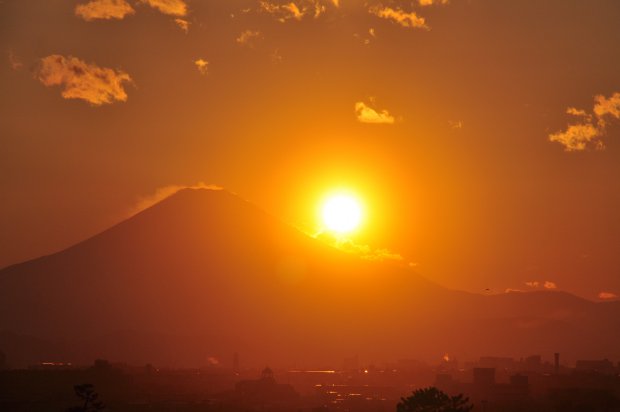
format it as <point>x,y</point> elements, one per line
<point>205,274</point>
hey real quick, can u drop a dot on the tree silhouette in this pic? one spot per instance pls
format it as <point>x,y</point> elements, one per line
<point>433,400</point>
<point>86,392</point>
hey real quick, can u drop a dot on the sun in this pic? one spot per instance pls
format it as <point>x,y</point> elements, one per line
<point>341,213</point>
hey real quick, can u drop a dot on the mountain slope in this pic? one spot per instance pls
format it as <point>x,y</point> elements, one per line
<point>205,273</point>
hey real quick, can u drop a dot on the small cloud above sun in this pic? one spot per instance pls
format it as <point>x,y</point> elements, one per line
<point>341,213</point>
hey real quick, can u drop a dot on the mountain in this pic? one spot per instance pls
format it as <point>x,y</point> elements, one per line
<point>203,274</point>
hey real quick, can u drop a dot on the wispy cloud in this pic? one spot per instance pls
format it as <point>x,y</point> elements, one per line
<point>104,9</point>
<point>202,66</point>
<point>276,57</point>
<point>589,130</point>
<point>183,24</point>
<point>144,202</point>
<point>249,37</point>
<point>607,295</point>
<point>577,112</point>
<point>14,61</point>
<point>367,114</point>
<point>81,80</point>
<point>432,2</point>
<point>295,10</point>
<point>549,285</point>
<point>169,7</point>
<point>365,252</point>
<point>282,12</point>
<point>455,124</point>
<point>366,39</point>
<point>397,15</point>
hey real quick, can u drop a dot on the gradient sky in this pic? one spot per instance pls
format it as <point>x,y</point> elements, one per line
<point>483,135</point>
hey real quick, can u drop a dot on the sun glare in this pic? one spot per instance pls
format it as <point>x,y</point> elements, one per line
<point>341,213</point>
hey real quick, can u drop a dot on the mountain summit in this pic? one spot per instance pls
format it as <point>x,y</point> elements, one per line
<point>204,274</point>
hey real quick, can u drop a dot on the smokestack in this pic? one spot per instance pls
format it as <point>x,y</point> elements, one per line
<point>557,363</point>
<point>236,370</point>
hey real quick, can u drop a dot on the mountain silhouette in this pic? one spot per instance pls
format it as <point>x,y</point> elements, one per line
<point>203,274</point>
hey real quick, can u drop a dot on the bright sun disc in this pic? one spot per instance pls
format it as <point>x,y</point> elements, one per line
<point>342,213</point>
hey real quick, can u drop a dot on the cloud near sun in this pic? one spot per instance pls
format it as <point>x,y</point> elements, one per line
<point>367,114</point>
<point>591,127</point>
<point>80,80</point>
<point>365,252</point>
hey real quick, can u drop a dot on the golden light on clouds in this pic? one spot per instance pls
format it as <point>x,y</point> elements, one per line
<point>282,11</point>
<point>397,15</point>
<point>249,37</point>
<point>367,114</point>
<point>577,137</point>
<point>80,80</point>
<point>293,10</point>
<point>104,9</point>
<point>119,9</point>
<point>607,106</point>
<point>431,2</point>
<point>296,10</point>
<point>363,251</point>
<point>587,133</point>
<point>169,7</point>
<point>202,65</point>
<point>577,112</point>
<point>183,24</point>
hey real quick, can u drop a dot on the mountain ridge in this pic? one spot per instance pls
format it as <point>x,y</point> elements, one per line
<point>208,264</point>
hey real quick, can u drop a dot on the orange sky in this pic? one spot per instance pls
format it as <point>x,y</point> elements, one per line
<point>482,134</point>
